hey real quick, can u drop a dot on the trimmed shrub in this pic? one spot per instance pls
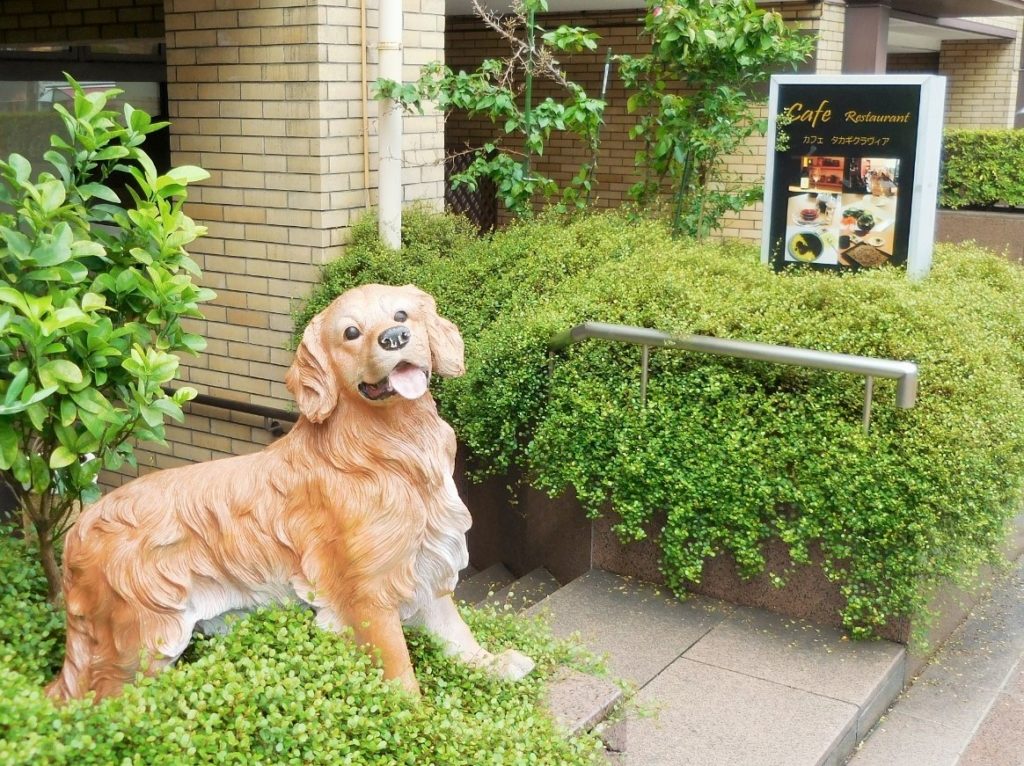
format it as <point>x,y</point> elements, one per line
<point>982,168</point>
<point>734,452</point>
<point>277,690</point>
<point>31,629</point>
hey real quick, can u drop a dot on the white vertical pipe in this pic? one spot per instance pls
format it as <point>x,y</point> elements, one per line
<point>390,131</point>
<point>364,80</point>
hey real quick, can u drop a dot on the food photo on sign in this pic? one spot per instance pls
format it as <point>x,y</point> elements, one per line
<point>843,211</point>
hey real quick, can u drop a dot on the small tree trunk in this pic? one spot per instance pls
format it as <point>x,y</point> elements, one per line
<point>39,510</point>
<point>48,558</point>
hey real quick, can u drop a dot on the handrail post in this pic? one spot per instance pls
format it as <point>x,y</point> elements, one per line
<point>645,358</point>
<point>869,388</point>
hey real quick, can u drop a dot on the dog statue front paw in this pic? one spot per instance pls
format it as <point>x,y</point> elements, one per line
<point>510,664</point>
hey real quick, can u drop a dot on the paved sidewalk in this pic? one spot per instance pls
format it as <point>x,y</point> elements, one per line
<point>966,708</point>
<point>725,685</point>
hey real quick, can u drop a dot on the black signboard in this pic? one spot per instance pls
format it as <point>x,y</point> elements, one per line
<point>853,178</point>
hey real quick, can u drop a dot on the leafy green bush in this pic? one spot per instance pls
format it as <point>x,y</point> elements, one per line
<point>96,284</point>
<point>502,90</point>
<point>732,452</point>
<point>696,99</point>
<point>31,629</point>
<point>982,168</point>
<point>277,690</point>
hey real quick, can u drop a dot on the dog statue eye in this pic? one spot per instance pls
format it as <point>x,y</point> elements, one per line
<point>401,316</point>
<point>351,333</point>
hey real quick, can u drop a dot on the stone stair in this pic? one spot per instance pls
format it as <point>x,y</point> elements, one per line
<point>525,592</point>
<point>478,586</point>
<point>578,701</point>
<point>715,684</point>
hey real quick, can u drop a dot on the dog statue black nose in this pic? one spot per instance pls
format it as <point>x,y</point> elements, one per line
<point>394,338</point>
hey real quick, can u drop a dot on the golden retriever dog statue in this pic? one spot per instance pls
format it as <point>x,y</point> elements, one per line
<point>354,512</point>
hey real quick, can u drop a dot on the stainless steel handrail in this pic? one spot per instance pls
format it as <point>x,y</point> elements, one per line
<point>905,373</point>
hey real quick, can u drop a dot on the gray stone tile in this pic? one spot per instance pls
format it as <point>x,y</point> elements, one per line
<point>987,647</point>
<point>640,627</point>
<point>1015,683</point>
<point>937,717</point>
<point>810,657</point>
<point>902,740</point>
<point>946,697</point>
<point>577,701</point>
<point>709,716</point>
<point>984,652</point>
<point>1000,739</point>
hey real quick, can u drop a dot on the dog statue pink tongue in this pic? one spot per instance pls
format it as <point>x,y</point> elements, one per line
<point>408,381</point>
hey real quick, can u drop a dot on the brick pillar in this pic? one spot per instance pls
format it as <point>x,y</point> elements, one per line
<point>831,27</point>
<point>266,95</point>
<point>983,75</point>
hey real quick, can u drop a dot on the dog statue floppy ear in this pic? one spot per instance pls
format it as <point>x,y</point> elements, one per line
<point>309,379</point>
<point>447,351</point>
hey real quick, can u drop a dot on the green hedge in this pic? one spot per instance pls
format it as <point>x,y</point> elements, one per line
<point>276,690</point>
<point>734,453</point>
<point>982,168</point>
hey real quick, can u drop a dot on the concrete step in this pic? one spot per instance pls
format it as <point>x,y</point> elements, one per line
<point>524,592</point>
<point>479,586</point>
<point>577,701</point>
<point>728,684</point>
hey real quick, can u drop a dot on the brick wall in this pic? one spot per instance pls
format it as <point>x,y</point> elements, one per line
<point>912,63</point>
<point>982,85</point>
<point>50,21</point>
<point>468,42</point>
<point>265,94</point>
<point>830,27</point>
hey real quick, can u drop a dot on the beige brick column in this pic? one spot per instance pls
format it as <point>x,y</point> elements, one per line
<point>831,28</point>
<point>981,90</point>
<point>266,95</point>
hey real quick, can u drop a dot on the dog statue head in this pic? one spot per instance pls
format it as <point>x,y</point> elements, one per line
<point>373,345</point>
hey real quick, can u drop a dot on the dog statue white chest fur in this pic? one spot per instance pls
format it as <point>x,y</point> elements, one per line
<point>354,512</point>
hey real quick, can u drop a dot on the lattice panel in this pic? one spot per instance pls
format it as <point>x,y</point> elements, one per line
<point>480,206</point>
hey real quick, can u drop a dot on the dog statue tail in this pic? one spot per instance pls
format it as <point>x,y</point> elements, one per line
<point>74,678</point>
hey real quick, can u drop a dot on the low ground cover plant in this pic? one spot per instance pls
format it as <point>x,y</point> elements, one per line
<point>276,690</point>
<point>733,453</point>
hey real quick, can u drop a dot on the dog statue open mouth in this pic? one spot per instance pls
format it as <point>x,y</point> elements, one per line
<point>355,512</point>
<point>406,380</point>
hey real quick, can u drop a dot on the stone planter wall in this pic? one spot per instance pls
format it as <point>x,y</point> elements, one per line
<point>999,231</point>
<point>524,529</point>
